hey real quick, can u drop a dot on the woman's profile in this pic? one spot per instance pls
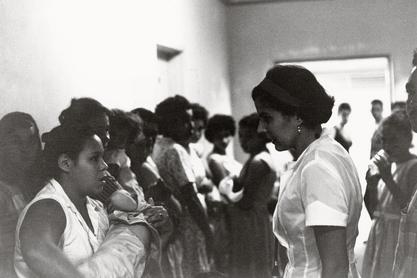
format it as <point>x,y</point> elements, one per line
<point>320,200</point>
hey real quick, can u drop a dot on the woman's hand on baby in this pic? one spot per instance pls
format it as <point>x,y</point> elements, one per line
<point>157,216</point>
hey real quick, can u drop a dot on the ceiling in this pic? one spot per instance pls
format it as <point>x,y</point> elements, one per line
<point>241,2</point>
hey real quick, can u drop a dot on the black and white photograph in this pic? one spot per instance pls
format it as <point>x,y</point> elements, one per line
<point>208,139</point>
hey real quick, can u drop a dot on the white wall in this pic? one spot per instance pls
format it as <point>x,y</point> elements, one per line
<point>263,33</point>
<point>53,50</point>
<point>198,28</point>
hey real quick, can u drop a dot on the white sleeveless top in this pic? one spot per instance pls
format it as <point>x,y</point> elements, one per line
<point>77,242</point>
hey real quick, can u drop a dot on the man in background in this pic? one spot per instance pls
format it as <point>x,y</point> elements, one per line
<point>376,140</point>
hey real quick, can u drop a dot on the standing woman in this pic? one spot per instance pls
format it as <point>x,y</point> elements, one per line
<point>388,193</point>
<point>320,198</point>
<point>220,131</point>
<point>154,187</point>
<point>222,166</point>
<point>20,149</point>
<point>170,154</point>
<point>250,227</point>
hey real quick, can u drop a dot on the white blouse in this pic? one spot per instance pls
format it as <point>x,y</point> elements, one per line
<point>78,242</point>
<point>320,189</point>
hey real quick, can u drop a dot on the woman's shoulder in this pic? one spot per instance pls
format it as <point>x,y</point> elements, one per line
<point>409,165</point>
<point>48,200</point>
<point>215,157</point>
<point>264,157</point>
<point>171,148</point>
<point>149,168</point>
<point>327,146</point>
<point>329,156</point>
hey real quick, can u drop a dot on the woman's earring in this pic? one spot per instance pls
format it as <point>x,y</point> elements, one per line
<point>299,129</point>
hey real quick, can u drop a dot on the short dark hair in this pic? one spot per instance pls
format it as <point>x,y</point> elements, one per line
<point>251,122</point>
<point>217,124</point>
<point>398,105</point>
<point>199,113</point>
<point>377,102</point>
<point>150,124</point>
<point>344,106</point>
<point>170,112</point>
<point>398,121</point>
<point>62,140</point>
<point>126,124</point>
<point>315,105</point>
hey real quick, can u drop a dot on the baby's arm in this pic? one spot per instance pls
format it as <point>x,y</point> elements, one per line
<point>122,200</point>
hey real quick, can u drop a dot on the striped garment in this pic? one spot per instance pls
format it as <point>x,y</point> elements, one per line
<point>405,261</point>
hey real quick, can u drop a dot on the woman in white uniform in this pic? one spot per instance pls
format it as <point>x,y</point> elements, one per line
<point>320,199</point>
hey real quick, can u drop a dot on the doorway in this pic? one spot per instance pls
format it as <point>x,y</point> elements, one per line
<point>170,72</point>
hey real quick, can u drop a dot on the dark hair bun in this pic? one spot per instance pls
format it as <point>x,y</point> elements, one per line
<point>315,104</point>
<point>81,110</point>
<point>52,135</point>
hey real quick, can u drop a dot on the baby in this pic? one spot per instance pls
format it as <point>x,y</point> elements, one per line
<point>128,198</point>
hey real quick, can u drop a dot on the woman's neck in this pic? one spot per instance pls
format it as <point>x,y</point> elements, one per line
<point>219,150</point>
<point>255,152</point>
<point>341,125</point>
<point>403,157</point>
<point>305,138</point>
<point>183,142</point>
<point>76,198</point>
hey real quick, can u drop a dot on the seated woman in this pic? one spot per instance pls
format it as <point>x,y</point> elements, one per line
<point>388,193</point>
<point>62,227</point>
<point>124,128</point>
<point>142,163</point>
<point>154,187</point>
<point>90,114</point>
<point>20,149</point>
<point>251,233</point>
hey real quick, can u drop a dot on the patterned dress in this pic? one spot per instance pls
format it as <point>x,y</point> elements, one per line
<point>189,254</point>
<point>383,237</point>
<point>250,226</point>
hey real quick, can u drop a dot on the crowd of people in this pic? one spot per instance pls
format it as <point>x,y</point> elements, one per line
<point>113,193</point>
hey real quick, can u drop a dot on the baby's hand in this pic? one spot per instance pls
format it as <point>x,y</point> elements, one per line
<point>122,200</point>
